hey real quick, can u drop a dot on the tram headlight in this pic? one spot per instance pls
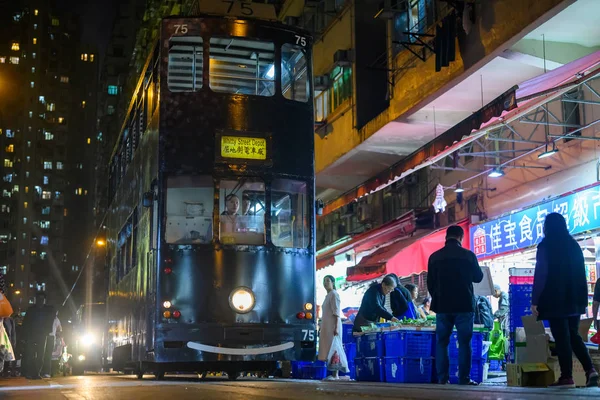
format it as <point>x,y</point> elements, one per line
<point>242,300</point>
<point>88,339</point>
<point>308,306</point>
<point>167,304</point>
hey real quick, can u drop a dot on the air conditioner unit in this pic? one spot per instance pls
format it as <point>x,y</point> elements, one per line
<point>321,82</point>
<point>343,57</point>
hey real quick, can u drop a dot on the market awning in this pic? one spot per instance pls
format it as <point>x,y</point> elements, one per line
<point>404,257</point>
<point>530,95</point>
<point>400,227</point>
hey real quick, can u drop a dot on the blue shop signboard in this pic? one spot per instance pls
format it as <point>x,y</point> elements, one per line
<point>525,228</point>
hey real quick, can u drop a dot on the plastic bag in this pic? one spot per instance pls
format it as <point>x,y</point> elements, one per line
<point>336,359</point>
<point>6,309</point>
<point>497,349</point>
<point>596,338</point>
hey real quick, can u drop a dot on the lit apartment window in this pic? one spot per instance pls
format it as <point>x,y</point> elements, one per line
<point>55,22</point>
<point>83,104</point>
<point>46,180</point>
<point>35,12</point>
<point>26,189</point>
<point>79,191</point>
<point>32,84</point>
<point>61,120</point>
<point>29,143</point>
<point>46,195</point>
<point>45,224</point>
<point>110,110</point>
<point>50,107</point>
<point>10,134</point>
<point>113,90</point>
<point>32,55</point>
<point>25,204</point>
<point>28,158</point>
<point>88,141</point>
<point>84,57</point>
<point>15,46</point>
<point>65,212</point>
<point>2,60</point>
<point>48,136</point>
<point>24,235</point>
<point>31,112</point>
<point>23,250</point>
<point>46,210</point>
<point>27,174</point>
<point>33,70</point>
<point>34,26</point>
<point>16,188</point>
<point>91,58</point>
<point>7,163</point>
<point>24,220</point>
<point>11,148</point>
<point>34,40</point>
<point>42,99</point>
<point>64,79</point>
<point>47,164</point>
<point>59,165</point>
<point>14,60</point>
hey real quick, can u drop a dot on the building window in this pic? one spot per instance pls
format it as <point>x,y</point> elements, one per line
<point>44,240</point>
<point>32,55</point>
<point>45,224</point>
<point>78,191</point>
<point>65,212</point>
<point>48,136</point>
<point>26,189</point>
<point>46,210</point>
<point>9,134</point>
<point>47,164</point>
<point>59,165</point>
<point>34,26</point>
<point>50,107</point>
<point>29,143</point>
<point>24,220</point>
<point>42,99</point>
<point>25,204</point>
<point>89,141</point>
<point>28,158</point>
<point>7,163</point>
<point>10,148</point>
<point>33,72</point>
<point>110,110</point>
<point>14,60</point>
<point>16,188</point>
<point>31,112</point>
<point>55,22</point>
<point>34,40</point>
<point>2,60</point>
<point>113,90</point>
<point>61,120</point>
<point>32,83</point>
<point>341,87</point>
<point>27,174</point>
<point>35,12</point>
<point>83,104</point>
<point>15,46</point>
<point>46,195</point>
<point>46,180</point>
<point>91,58</point>
<point>64,79</point>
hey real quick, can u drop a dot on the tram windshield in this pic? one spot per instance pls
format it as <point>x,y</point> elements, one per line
<point>294,73</point>
<point>289,214</point>
<point>189,209</point>
<point>242,211</point>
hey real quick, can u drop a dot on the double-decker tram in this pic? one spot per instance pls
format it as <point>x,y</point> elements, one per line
<point>211,223</point>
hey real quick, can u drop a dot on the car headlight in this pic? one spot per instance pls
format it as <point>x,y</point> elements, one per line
<point>81,358</point>
<point>88,339</point>
<point>242,300</point>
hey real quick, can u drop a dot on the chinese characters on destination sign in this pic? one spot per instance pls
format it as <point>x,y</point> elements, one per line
<point>526,228</point>
<point>243,147</point>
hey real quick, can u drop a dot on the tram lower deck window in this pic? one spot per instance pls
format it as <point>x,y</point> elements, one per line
<point>242,66</point>
<point>189,209</point>
<point>242,209</point>
<point>289,214</point>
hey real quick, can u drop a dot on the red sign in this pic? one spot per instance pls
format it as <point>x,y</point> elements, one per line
<point>479,242</point>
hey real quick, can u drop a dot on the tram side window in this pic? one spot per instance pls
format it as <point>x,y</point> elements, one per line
<point>242,208</point>
<point>185,64</point>
<point>294,73</point>
<point>127,247</point>
<point>242,66</point>
<point>290,215</point>
<point>190,204</point>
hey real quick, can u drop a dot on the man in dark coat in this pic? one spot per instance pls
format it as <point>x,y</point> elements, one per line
<point>37,327</point>
<point>372,306</point>
<point>560,296</point>
<point>399,298</point>
<point>450,277</point>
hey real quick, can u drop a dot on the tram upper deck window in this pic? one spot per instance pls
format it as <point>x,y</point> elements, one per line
<point>185,64</point>
<point>242,208</point>
<point>189,209</point>
<point>294,73</point>
<point>290,214</point>
<point>242,66</point>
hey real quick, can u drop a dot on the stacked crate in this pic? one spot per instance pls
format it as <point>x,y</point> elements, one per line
<point>478,358</point>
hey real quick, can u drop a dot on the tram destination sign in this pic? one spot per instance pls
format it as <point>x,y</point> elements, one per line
<point>241,147</point>
<point>525,228</point>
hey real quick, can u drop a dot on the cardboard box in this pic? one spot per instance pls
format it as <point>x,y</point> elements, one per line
<point>529,375</point>
<point>537,346</point>
<point>578,372</point>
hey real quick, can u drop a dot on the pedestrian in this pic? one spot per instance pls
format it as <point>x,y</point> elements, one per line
<point>425,308</point>
<point>37,326</point>
<point>560,296</point>
<point>452,271</point>
<point>596,305</point>
<point>503,306</point>
<point>397,301</point>
<point>10,328</point>
<point>413,290</point>
<point>331,330</point>
<point>372,306</point>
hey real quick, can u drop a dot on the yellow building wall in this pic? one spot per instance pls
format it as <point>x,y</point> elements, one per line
<point>497,25</point>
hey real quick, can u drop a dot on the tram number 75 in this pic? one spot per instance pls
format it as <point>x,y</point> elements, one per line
<point>308,335</point>
<point>301,40</point>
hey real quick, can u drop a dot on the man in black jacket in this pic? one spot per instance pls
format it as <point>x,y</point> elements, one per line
<point>451,274</point>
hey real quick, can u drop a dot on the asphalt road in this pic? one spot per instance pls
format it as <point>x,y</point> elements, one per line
<point>100,387</point>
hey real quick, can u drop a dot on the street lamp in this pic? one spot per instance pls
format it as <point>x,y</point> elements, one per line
<point>100,242</point>
<point>17,292</point>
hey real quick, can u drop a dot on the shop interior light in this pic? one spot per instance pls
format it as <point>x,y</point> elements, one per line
<point>547,152</point>
<point>496,173</point>
<point>459,188</point>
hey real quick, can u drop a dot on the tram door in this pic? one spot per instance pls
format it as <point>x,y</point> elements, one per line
<point>152,260</point>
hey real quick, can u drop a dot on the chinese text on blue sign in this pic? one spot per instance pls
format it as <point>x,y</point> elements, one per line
<point>525,228</point>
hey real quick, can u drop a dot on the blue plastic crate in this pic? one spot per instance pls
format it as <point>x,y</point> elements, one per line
<point>495,365</point>
<point>524,288</point>
<point>352,371</point>
<point>477,367</point>
<point>297,368</point>
<point>409,370</point>
<point>370,345</point>
<point>370,369</point>
<point>476,346</point>
<point>347,336</point>
<point>409,344</point>
<point>350,350</point>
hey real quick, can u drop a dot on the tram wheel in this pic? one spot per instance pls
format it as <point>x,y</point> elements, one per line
<point>139,374</point>
<point>160,375</point>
